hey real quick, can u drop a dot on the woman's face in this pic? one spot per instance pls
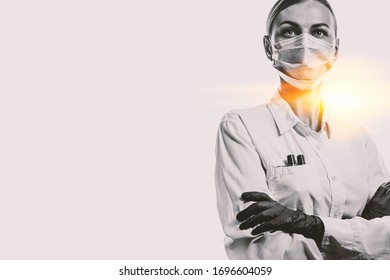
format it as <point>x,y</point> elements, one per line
<point>307,17</point>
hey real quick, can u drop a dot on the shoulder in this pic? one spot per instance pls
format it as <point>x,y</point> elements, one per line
<point>347,127</point>
<point>253,121</point>
<point>349,131</point>
<point>246,115</point>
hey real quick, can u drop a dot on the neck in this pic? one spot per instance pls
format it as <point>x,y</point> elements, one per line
<point>306,104</point>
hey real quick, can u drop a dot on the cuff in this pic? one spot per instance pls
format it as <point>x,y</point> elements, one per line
<point>337,234</point>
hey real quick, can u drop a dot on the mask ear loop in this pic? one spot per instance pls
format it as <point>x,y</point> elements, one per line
<point>270,49</point>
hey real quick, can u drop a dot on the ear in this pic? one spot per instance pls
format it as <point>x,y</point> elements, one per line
<point>267,47</point>
<point>337,47</point>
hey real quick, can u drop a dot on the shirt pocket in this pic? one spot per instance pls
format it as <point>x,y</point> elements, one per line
<point>292,181</point>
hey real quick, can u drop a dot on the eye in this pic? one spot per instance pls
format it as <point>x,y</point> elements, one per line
<point>289,33</point>
<point>319,33</point>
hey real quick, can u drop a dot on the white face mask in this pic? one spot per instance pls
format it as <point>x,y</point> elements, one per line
<point>303,61</point>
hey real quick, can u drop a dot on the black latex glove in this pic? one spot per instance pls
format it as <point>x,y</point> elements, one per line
<point>379,204</point>
<point>267,214</point>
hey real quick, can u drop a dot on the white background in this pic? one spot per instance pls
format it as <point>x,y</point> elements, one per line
<point>109,112</point>
<point>110,269</point>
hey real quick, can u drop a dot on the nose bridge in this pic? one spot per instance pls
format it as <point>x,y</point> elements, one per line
<point>305,39</point>
<point>302,54</point>
<point>303,49</point>
<point>305,56</point>
<point>308,50</point>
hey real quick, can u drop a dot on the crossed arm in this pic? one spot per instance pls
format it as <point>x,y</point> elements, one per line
<point>265,214</point>
<point>268,230</point>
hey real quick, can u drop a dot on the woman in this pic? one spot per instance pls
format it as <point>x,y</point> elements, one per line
<point>293,183</point>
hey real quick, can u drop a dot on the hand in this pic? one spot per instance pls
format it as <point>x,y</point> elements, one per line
<point>266,214</point>
<point>379,204</point>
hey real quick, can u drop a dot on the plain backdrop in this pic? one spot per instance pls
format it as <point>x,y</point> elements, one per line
<point>109,112</point>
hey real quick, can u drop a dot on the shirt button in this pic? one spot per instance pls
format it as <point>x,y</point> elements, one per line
<point>334,178</point>
<point>318,147</point>
<point>337,214</point>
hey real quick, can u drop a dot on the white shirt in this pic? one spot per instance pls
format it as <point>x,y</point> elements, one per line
<point>343,170</point>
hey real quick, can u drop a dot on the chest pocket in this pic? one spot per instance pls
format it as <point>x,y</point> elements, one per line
<point>293,183</point>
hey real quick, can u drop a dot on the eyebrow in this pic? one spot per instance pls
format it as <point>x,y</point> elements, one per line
<point>297,25</point>
<point>320,25</point>
<point>290,23</point>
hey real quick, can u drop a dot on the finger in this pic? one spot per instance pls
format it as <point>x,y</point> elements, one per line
<point>381,191</point>
<point>264,227</point>
<point>253,209</point>
<point>255,196</point>
<point>255,221</point>
<point>387,186</point>
<point>262,217</point>
<point>247,212</point>
<point>273,220</point>
<point>252,222</point>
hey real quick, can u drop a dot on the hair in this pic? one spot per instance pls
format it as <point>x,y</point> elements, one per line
<point>284,4</point>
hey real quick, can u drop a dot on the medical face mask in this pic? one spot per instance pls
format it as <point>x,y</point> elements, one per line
<point>303,61</point>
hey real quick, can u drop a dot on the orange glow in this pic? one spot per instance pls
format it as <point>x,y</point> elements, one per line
<point>356,89</point>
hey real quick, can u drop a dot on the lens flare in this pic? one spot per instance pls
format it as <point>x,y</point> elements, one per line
<point>357,90</point>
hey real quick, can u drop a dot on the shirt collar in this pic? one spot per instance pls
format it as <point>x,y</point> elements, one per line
<point>285,119</point>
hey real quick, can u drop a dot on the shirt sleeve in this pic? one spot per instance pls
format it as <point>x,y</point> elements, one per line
<point>358,238</point>
<point>239,169</point>
<point>377,171</point>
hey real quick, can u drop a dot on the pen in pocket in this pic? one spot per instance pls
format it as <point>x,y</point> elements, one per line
<point>291,160</point>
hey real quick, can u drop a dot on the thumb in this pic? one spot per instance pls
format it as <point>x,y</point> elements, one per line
<point>382,190</point>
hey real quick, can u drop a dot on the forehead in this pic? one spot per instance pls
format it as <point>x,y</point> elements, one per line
<point>307,14</point>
